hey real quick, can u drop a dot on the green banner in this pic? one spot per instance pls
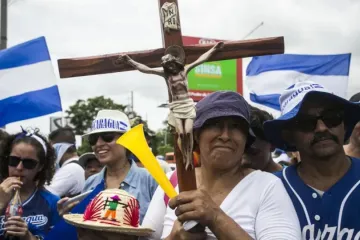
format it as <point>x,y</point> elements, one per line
<point>213,76</point>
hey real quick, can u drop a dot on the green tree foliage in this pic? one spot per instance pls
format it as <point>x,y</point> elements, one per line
<point>138,120</point>
<point>164,140</point>
<point>162,150</point>
<point>84,148</point>
<point>83,112</point>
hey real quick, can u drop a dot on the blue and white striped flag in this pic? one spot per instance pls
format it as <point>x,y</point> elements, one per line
<point>268,76</point>
<point>27,82</point>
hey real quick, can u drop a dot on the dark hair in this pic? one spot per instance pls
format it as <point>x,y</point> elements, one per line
<point>257,119</point>
<point>355,97</point>
<point>71,150</point>
<point>47,161</point>
<point>3,135</point>
<point>62,135</point>
<point>89,160</point>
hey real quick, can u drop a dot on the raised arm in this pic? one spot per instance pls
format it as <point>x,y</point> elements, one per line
<point>140,67</point>
<point>205,57</point>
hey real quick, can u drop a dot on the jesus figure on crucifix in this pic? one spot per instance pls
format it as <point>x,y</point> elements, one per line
<point>182,107</point>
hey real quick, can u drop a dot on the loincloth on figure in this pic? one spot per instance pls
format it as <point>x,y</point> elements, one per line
<point>181,109</point>
<point>181,97</point>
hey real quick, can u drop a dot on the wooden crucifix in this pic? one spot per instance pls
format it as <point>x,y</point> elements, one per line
<point>176,61</point>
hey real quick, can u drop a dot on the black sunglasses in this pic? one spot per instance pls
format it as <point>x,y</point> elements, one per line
<point>307,123</point>
<point>105,136</point>
<point>28,163</point>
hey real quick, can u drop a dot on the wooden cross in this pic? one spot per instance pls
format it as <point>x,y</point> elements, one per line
<point>171,33</point>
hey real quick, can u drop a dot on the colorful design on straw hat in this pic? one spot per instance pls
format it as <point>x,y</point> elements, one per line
<point>112,210</point>
<point>291,101</point>
<point>110,121</point>
<point>115,198</point>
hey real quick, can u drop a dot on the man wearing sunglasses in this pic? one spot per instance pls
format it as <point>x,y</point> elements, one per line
<point>325,185</point>
<point>3,136</point>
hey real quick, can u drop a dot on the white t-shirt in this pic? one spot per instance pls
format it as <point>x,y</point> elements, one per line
<point>154,217</point>
<point>260,204</point>
<point>68,180</point>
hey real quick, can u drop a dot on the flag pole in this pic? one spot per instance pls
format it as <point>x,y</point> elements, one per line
<point>253,30</point>
<point>3,30</point>
<point>63,123</point>
<point>4,17</point>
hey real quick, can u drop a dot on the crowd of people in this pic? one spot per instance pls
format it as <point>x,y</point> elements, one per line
<point>243,190</point>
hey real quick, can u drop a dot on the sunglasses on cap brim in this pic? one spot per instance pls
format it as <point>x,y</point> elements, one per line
<point>27,163</point>
<point>307,123</point>
<point>107,137</point>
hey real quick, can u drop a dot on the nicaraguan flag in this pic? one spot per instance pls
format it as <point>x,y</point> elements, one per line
<point>268,76</point>
<point>27,82</point>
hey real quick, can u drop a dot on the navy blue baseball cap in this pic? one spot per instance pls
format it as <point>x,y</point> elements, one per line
<point>223,104</point>
<point>291,101</point>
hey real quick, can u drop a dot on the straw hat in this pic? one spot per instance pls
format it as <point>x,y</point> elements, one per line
<point>101,216</point>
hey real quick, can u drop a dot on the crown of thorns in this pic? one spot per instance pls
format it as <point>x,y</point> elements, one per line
<point>174,53</point>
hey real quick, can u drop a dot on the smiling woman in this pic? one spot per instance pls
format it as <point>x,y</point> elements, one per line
<point>119,172</point>
<point>232,202</point>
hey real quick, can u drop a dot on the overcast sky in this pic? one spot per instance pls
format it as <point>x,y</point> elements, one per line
<point>75,28</point>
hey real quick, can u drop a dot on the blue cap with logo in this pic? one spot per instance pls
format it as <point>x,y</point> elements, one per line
<point>291,101</point>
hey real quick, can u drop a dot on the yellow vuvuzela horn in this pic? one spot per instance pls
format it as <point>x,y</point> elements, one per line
<point>135,141</point>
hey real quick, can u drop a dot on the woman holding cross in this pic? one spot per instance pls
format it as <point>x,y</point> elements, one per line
<point>232,202</point>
